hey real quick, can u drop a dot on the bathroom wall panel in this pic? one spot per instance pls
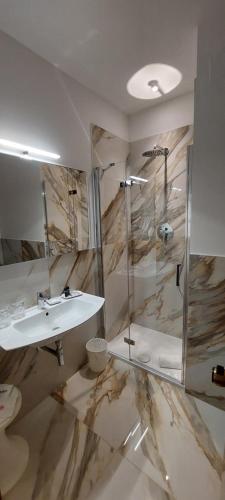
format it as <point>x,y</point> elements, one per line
<point>34,371</point>
<point>81,208</point>
<point>206,327</point>
<point>67,212</point>
<point>15,251</point>
<point>78,270</point>
<point>173,438</point>
<point>107,148</point>
<point>24,279</point>
<point>155,301</point>
<point>161,199</point>
<point>58,204</point>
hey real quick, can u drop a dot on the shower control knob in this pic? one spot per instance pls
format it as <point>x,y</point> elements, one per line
<point>165,231</point>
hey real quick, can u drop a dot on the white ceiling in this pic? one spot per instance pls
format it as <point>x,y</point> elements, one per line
<point>102,43</point>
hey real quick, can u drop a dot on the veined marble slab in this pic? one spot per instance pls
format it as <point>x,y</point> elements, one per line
<point>122,480</point>
<point>155,300</point>
<point>174,438</point>
<point>23,280</point>
<point>206,327</point>
<point>171,440</point>
<point>110,397</point>
<point>34,371</point>
<point>149,341</point>
<point>15,251</point>
<point>157,303</point>
<point>115,289</point>
<point>66,200</point>
<point>107,149</point>
<point>59,213</point>
<point>77,269</point>
<point>66,457</point>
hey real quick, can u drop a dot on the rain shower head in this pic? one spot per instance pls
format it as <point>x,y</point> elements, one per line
<point>156,151</point>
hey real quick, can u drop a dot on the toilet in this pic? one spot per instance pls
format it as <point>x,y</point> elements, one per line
<point>14,450</point>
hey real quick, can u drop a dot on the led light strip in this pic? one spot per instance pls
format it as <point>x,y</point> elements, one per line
<point>26,152</point>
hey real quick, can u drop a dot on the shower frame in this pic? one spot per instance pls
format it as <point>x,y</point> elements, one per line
<point>100,274</point>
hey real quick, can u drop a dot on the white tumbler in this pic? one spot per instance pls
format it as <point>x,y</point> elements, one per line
<point>97,354</point>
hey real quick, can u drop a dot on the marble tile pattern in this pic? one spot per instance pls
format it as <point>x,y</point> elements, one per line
<point>58,204</point>
<point>130,219</point>
<point>66,457</point>
<point>80,208</point>
<point>23,280</point>
<point>78,270</point>
<point>96,401</point>
<point>14,251</point>
<point>153,343</point>
<point>156,301</point>
<point>165,443</point>
<point>206,327</point>
<point>34,371</point>
<point>66,201</point>
<point>107,149</point>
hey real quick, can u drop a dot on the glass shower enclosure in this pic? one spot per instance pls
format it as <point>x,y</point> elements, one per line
<point>141,225</point>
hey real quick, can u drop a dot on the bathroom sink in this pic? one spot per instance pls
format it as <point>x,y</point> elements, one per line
<point>42,326</point>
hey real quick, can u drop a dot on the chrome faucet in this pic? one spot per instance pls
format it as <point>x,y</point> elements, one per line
<point>41,300</point>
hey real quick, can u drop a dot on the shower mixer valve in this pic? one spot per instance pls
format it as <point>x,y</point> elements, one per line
<point>165,231</point>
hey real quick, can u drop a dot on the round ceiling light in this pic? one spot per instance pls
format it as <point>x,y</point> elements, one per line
<point>153,81</point>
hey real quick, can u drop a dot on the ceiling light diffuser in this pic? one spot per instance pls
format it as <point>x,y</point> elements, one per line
<point>154,85</point>
<point>153,81</point>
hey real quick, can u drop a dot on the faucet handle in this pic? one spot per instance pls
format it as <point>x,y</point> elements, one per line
<point>66,291</point>
<point>42,295</point>
<point>41,299</point>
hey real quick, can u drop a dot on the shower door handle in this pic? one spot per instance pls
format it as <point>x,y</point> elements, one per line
<point>178,275</point>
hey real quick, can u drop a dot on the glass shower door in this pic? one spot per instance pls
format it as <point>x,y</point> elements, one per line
<point>157,216</point>
<point>142,243</point>
<point>141,262</point>
<point>114,256</point>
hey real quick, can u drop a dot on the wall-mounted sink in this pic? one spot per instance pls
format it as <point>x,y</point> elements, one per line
<point>40,327</point>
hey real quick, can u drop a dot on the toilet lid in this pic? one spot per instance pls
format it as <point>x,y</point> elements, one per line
<point>10,402</point>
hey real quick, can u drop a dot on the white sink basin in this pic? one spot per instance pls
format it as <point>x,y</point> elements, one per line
<point>40,327</point>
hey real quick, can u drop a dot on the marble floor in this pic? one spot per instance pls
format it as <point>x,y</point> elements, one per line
<point>124,434</point>
<point>154,343</point>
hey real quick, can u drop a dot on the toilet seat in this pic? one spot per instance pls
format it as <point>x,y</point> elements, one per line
<point>14,450</point>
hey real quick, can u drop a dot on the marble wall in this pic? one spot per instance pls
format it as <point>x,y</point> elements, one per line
<point>66,203</point>
<point>147,440</point>
<point>107,149</point>
<point>34,371</point>
<point>130,219</point>
<point>72,263</point>
<point>206,327</point>
<point>157,302</point>
<point>13,251</point>
<point>124,434</point>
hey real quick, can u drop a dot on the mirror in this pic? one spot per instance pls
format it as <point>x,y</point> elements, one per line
<point>22,218</point>
<point>43,210</point>
<point>66,208</point>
